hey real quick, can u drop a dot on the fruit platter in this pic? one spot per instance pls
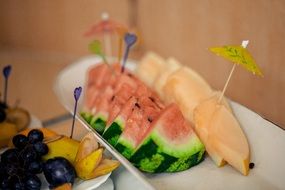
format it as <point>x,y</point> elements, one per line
<point>182,157</point>
<point>33,157</point>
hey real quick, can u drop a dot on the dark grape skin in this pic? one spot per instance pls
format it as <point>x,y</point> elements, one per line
<point>34,167</point>
<point>32,182</point>
<point>10,156</point>
<point>5,184</point>
<point>16,183</point>
<point>41,148</point>
<point>35,135</point>
<point>58,171</point>
<point>2,115</point>
<point>20,141</point>
<point>29,154</point>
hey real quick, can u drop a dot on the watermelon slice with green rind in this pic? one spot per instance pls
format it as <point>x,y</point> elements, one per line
<point>170,144</point>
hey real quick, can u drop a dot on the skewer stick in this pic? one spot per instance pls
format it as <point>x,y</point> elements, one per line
<point>107,37</point>
<point>244,45</point>
<point>76,93</point>
<point>120,50</point>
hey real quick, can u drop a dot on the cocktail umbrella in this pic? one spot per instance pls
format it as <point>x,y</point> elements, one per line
<point>238,54</point>
<point>107,27</point>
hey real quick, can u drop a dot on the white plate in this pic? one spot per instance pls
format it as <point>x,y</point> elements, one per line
<point>267,143</point>
<point>85,185</point>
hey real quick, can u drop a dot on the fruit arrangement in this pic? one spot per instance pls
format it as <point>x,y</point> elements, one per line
<point>152,116</point>
<point>154,136</point>
<point>59,158</point>
<point>12,119</point>
<point>206,109</point>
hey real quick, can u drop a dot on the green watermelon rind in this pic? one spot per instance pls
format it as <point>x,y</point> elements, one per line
<point>87,116</point>
<point>124,147</point>
<point>178,150</point>
<point>113,132</point>
<point>97,121</point>
<point>151,157</point>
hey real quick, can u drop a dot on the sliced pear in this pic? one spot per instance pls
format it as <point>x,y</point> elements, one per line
<point>106,166</point>
<point>19,116</point>
<point>171,66</point>
<point>64,147</point>
<point>7,131</point>
<point>87,165</point>
<point>150,68</point>
<point>229,140</point>
<point>87,145</point>
<point>186,88</point>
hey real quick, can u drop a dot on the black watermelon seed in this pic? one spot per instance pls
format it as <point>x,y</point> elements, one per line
<point>136,104</point>
<point>251,165</point>
<point>152,99</point>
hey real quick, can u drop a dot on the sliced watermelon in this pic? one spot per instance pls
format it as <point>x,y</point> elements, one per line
<point>114,131</point>
<point>101,80</point>
<point>144,112</point>
<point>170,144</point>
<point>97,77</point>
<point>98,121</point>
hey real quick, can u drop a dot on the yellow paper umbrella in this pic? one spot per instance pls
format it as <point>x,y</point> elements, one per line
<point>238,54</point>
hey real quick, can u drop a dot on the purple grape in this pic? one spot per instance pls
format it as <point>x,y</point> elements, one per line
<point>32,182</point>
<point>34,167</point>
<point>10,156</point>
<point>58,171</point>
<point>29,154</point>
<point>41,148</point>
<point>20,141</point>
<point>35,135</point>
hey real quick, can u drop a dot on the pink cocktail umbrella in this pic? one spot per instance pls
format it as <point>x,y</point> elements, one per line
<point>107,27</point>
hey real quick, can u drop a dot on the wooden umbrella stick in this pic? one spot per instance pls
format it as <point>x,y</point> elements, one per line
<point>107,44</point>
<point>120,50</point>
<point>226,85</point>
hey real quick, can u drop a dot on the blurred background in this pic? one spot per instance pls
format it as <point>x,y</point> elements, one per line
<point>39,38</point>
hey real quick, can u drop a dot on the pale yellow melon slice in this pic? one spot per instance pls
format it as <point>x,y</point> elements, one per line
<point>229,140</point>
<point>171,66</point>
<point>150,68</point>
<point>186,88</point>
<point>202,119</point>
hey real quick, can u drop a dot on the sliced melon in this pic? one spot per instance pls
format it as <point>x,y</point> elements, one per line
<point>228,138</point>
<point>144,112</point>
<point>96,79</point>
<point>202,119</point>
<point>169,145</point>
<point>220,132</point>
<point>150,68</point>
<point>171,66</point>
<point>187,89</point>
<point>114,131</point>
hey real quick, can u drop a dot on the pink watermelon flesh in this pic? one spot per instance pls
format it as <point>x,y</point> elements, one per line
<point>144,112</point>
<point>124,88</point>
<point>96,80</point>
<point>99,77</point>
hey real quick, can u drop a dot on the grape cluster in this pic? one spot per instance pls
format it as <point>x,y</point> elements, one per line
<point>19,165</point>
